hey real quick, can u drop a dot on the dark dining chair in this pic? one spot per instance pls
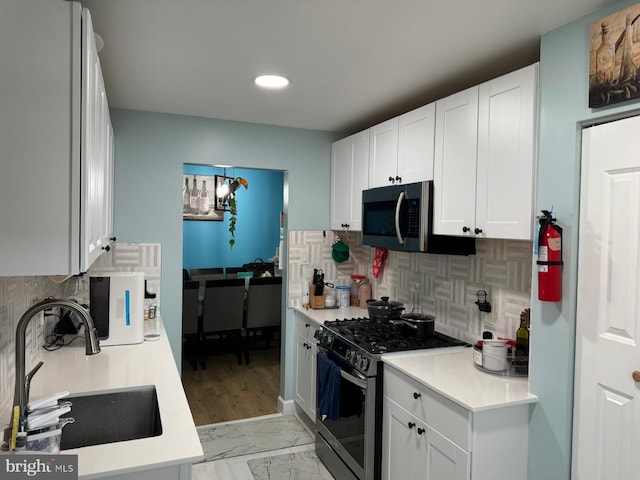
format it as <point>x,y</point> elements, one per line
<point>191,322</point>
<point>264,311</point>
<point>232,272</point>
<point>204,274</point>
<point>223,313</point>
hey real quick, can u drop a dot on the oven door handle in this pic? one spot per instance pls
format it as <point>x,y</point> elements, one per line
<point>398,206</point>
<point>355,380</point>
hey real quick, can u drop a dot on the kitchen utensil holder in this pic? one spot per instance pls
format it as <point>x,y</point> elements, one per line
<point>315,301</point>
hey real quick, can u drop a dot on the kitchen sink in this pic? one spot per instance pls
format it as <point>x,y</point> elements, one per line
<point>112,416</point>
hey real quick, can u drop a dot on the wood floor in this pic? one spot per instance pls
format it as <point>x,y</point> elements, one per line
<point>228,391</point>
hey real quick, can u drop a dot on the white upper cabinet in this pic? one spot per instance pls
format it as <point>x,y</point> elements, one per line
<point>485,158</point>
<point>96,160</point>
<point>507,154</point>
<point>349,177</point>
<point>454,169</point>
<point>401,149</point>
<point>57,141</point>
<point>416,136</point>
<point>383,153</point>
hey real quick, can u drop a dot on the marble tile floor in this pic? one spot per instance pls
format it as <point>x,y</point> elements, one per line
<point>235,467</point>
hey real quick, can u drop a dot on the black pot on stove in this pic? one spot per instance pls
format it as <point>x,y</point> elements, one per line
<point>384,309</point>
<point>416,324</point>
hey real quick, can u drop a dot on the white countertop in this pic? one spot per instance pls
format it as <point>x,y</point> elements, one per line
<point>448,371</point>
<point>321,315</point>
<point>451,373</point>
<point>147,363</point>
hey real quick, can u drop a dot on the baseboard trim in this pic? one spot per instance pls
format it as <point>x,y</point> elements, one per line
<point>286,407</point>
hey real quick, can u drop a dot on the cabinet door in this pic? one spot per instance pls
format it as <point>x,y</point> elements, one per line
<point>442,459</point>
<point>401,444</point>
<point>383,154</point>
<point>349,177</point>
<point>94,140</point>
<point>416,136</point>
<point>39,137</point>
<point>302,372</point>
<point>507,132</point>
<point>455,163</point>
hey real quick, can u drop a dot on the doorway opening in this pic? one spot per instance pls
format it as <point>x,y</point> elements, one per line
<point>233,386</point>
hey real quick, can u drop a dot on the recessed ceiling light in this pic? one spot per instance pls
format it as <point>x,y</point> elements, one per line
<point>272,81</point>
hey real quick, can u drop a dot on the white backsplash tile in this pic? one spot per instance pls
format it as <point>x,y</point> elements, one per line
<point>441,285</point>
<point>17,294</point>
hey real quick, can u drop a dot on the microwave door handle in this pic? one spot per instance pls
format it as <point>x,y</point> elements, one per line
<point>398,206</point>
<point>355,380</point>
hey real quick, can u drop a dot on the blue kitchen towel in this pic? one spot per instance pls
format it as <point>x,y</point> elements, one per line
<point>328,388</point>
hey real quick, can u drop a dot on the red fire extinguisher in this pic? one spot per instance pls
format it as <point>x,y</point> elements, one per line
<point>549,259</point>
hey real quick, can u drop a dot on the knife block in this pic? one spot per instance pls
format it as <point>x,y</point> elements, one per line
<point>315,301</point>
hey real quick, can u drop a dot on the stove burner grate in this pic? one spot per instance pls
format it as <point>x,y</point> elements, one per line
<point>380,337</point>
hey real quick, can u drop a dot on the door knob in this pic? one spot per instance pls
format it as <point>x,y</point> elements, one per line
<point>636,375</point>
<point>411,424</point>
<point>465,229</point>
<point>478,231</point>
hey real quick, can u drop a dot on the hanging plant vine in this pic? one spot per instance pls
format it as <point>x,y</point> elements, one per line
<point>233,207</point>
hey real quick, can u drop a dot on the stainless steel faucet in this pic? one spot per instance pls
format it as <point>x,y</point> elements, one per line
<point>23,381</point>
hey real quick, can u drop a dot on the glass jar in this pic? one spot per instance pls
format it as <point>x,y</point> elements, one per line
<point>356,281</point>
<point>342,296</point>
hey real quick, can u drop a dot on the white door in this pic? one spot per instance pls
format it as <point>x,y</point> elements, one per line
<point>606,434</point>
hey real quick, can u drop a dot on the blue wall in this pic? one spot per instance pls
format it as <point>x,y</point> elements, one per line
<point>564,70</point>
<point>206,243</point>
<point>150,150</point>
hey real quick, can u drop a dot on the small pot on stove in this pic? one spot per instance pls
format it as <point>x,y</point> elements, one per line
<point>384,309</point>
<point>416,324</point>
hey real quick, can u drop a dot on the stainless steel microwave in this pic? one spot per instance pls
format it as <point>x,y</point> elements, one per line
<point>400,217</point>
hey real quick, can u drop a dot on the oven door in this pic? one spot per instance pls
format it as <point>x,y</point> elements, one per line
<point>350,437</point>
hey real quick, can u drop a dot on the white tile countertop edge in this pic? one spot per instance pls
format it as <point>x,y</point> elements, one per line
<point>123,366</point>
<point>450,372</point>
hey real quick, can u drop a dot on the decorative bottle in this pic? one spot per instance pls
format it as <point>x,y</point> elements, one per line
<point>203,203</point>
<point>186,197</point>
<point>194,199</point>
<point>627,68</point>
<point>522,339</point>
<point>605,57</point>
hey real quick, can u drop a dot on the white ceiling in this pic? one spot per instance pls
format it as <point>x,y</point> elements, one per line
<point>352,63</point>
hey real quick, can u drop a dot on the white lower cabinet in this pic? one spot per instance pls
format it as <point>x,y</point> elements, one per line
<point>305,366</point>
<point>428,437</point>
<point>412,447</point>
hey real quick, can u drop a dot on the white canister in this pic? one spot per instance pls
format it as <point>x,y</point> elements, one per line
<point>494,355</point>
<point>344,296</point>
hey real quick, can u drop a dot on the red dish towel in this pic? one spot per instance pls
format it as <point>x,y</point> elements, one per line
<point>378,261</point>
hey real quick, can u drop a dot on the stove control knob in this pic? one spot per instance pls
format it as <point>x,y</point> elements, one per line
<point>357,359</point>
<point>364,364</point>
<point>348,355</point>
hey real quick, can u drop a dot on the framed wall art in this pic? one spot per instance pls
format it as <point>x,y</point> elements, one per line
<point>614,58</point>
<point>199,199</point>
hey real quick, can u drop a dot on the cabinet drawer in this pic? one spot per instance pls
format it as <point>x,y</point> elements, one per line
<point>451,420</point>
<point>306,327</point>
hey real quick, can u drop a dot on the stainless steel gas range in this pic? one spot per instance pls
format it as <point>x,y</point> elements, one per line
<point>349,391</point>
